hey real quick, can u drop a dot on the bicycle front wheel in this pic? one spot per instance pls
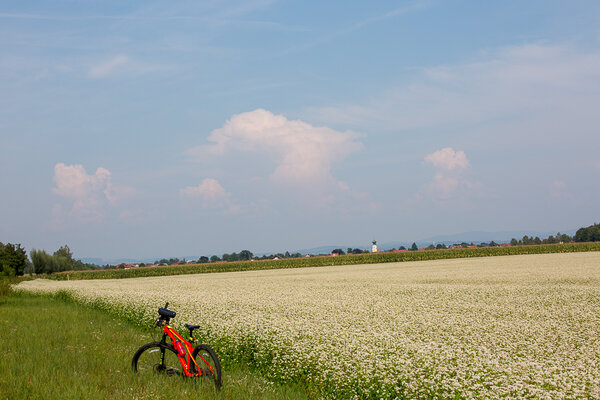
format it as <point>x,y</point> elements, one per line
<point>157,358</point>
<point>210,368</point>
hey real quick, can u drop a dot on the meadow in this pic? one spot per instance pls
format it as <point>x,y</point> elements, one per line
<point>349,259</point>
<point>489,327</point>
<point>57,349</point>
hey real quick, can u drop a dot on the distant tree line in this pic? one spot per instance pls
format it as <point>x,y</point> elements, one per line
<point>169,261</point>
<point>527,240</point>
<point>61,260</point>
<point>349,250</point>
<point>246,255</point>
<point>14,260</point>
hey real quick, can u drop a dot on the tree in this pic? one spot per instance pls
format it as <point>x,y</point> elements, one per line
<point>203,260</point>
<point>551,240</point>
<point>589,234</point>
<point>339,252</point>
<point>43,263</point>
<point>13,259</point>
<point>414,246</point>
<point>214,259</point>
<point>564,238</point>
<point>246,255</point>
<point>64,251</point>
<point>64,258</point>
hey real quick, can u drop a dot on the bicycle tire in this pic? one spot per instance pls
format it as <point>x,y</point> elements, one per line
<point>203,354</point>
<point>147,360</point>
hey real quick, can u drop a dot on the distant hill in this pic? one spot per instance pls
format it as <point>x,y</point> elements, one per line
<point>476,237</point>
<point>485,237</point>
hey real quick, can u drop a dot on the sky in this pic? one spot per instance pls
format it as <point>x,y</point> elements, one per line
<point>153,129</point>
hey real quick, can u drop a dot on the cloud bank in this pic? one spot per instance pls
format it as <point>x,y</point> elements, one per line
<point>302,153</point>
<point>531,85</point>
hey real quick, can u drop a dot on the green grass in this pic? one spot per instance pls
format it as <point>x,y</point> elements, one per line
<point>328,261</point>
<point>56,349</point>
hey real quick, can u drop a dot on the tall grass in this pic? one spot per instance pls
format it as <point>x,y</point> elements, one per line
<point>328,260</point>
<point>56,349</point>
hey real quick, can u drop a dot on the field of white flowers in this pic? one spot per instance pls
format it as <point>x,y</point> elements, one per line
<point>497,327</point>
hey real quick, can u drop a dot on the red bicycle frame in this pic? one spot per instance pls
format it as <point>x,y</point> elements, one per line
<point>184,350</point>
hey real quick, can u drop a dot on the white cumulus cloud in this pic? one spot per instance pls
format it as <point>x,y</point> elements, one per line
<point>209,190</point>
<point>447,158</point>
<point>303,153</point>
<point>89,194</point>
<point>211,194</point>
<point>448,179</point>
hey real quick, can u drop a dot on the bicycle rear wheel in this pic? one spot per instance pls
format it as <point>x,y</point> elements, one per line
<point>149,360</point>
<point>207,360</point>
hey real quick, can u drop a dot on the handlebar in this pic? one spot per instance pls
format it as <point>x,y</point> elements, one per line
<point>165,314</point>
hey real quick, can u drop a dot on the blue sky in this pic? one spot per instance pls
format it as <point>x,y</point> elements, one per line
<point>145,129</point>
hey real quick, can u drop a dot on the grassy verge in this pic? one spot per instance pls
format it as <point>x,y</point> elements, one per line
<point>55,349</point>
<point>327,261</point>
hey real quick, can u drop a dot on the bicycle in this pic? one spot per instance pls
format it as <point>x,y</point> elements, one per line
<point>180,358</point>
